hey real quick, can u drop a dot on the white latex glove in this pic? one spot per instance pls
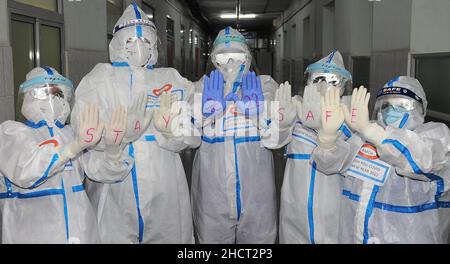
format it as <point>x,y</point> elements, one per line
<point>358,117</point>
<point>167,117</point>
<point>283,110</point>
<point>138,119</point>
<point>89,133</point>
<point>332,118</point>
<point>115,132</point>
<point>309,111</point>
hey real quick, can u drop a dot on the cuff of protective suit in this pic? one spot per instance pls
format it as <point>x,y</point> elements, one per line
<point>286,124</point>
<point>70,151</point>
<point>113,152</point>
<point>327,141</point>
<point>280,128</point>
<point>215,115</point>
<point>375,134</point>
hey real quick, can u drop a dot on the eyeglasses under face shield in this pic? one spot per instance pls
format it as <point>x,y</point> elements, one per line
<point>144,40</point>
<point>398,99</point>
<point>234,57</point>
<point>48,91</point>
<point>328,80</point>
<point>44,87</point>
<point>399,102</point>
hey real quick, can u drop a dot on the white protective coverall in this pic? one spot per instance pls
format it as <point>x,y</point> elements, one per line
<point>152,205</point>
<point>309,210</point>
<point>395,191</point>
<point>233,181</point>
<point>43,200</point>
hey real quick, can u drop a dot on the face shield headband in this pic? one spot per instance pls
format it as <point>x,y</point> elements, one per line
<point>228,38</point>
<point>328,68</point>
<point>138,23</point>
<point>56,80</point>
<point>399,91</point>
<point>134,23</point>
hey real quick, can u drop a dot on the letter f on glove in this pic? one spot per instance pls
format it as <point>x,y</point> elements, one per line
<point>332,118</point>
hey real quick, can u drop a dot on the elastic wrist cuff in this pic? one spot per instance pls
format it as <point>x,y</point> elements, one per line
<point>327,141</point>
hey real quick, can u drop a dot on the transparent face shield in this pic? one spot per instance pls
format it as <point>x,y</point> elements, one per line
<point>139,50</point>
<point>393,108</point>
<point>230,62</point>
<point>48,102</point>
<point>135,43</point>
<point>325,81</point>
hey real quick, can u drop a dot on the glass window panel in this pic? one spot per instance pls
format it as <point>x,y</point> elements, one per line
<point>170,28</point>
<point>51,5</point>
<point>433,73</point>
<point>50,47</point>
<point>22,41</point>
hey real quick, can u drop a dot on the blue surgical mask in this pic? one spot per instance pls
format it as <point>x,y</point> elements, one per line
<point>393,114</point>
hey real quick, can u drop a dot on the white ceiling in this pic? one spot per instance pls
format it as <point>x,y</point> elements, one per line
<point>267,10</point>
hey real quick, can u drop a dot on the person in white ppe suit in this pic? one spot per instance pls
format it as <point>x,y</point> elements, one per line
<point>233,183</point>
<point>42,197</point>
<point>309,210</point>
<point>396,169</point>
<point>151,205</point>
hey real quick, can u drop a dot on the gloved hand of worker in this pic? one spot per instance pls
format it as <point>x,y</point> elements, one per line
<point>283,108</point>
<point>332,118</point>
<point>114,133</point>
<point>358,117</point>
<point>213,102</point>
<point>138,119</point>
<point>309,111</point>
<point>167,117</point>
<point>89,133</point>
<point>252,101</point>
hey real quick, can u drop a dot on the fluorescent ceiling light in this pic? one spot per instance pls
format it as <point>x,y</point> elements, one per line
<point>241,16</point>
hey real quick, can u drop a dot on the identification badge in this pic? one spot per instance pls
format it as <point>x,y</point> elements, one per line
<point>304,135</point>
<point>368,167</point>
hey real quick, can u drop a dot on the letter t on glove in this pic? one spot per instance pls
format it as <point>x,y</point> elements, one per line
<point>115,132</point>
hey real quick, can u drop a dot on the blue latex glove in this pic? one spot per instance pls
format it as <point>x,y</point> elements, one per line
<point>252,102</point>
<point>213,103</point>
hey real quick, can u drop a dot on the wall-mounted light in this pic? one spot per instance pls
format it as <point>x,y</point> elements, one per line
<point>241,16</point>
